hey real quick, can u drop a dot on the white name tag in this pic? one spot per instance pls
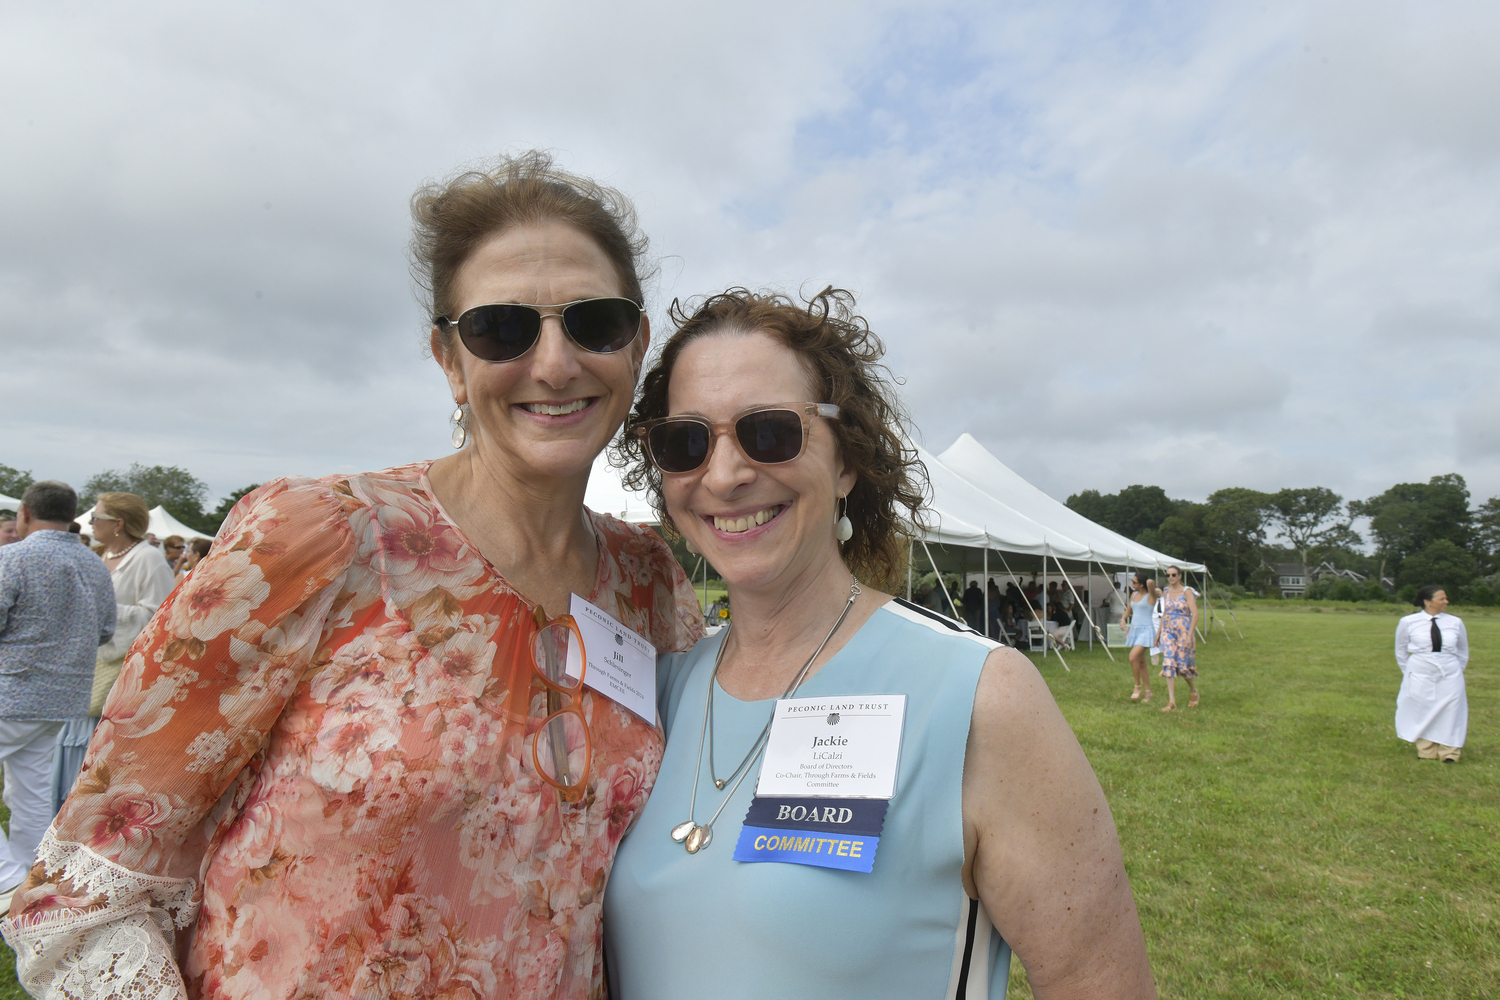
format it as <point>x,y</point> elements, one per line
<point>843,747</point>
<point>622,665</point>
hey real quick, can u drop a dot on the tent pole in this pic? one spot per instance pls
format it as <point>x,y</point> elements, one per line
<point>953,607</point>
<point>1087,617</point>
<point>1030,608</point>
<point>910,558</point>
<point>1202,629</point>
<point>986,587</point>
<point>1230,609</point>
<point>1089,589</point>
<point>1104,573</point>
<point>1213,616</point>
<point>1044,600</point>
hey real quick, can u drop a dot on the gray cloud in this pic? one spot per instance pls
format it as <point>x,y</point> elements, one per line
<point>1060,219</point>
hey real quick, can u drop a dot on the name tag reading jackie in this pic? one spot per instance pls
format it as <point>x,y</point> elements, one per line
<point>622,665</point>
<point>843,747</point>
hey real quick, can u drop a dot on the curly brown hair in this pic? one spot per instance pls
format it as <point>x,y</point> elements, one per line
<point>843,357</point>
<point>451,219</point>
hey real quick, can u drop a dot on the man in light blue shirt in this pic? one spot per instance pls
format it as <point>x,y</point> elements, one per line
<point>57,607</point>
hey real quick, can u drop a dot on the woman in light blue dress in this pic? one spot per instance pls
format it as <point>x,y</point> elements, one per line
<point>771,443</point>
<point>1137,619</point>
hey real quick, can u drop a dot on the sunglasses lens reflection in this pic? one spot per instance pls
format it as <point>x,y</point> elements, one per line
<point>499,332</point>
<point>678,445</point>
<point>602,326</point>
<point>770,437</point>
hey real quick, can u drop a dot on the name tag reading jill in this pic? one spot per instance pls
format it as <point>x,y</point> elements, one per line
<point>622,665</point>
<point>845,747</point>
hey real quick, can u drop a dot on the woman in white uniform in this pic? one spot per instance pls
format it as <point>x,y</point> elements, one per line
<point>1432,650</point>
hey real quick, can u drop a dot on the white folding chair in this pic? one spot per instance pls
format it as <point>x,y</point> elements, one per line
<point>1036,637</point>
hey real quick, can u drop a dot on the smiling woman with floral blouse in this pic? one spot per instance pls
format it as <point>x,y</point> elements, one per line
<point>316,774</point>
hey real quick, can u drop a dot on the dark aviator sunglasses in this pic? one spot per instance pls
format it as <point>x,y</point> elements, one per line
<point>767,435</point>
<point>504,331</point>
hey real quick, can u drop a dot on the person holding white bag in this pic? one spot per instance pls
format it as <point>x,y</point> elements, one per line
<point>1432,650</point>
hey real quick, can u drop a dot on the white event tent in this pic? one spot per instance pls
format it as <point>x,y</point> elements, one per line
<point>9,503</point>
<point>977,502</point>
<point>997,480</point>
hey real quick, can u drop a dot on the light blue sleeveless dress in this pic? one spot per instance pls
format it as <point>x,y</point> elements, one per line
<point>1142,631</point>
<point>691,926</point>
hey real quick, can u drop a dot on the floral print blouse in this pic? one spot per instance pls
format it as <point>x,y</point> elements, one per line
<point>313,777</point>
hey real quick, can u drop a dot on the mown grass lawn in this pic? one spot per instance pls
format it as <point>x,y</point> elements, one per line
<point>1280,840</point>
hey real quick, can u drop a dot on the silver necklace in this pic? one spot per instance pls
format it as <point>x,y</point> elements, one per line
<point>696,836</point>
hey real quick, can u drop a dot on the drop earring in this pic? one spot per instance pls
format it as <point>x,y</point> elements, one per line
<point>843,530</point>
<point>460,434</point>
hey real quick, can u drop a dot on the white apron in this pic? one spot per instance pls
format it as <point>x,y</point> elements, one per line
<point>1432,704</point>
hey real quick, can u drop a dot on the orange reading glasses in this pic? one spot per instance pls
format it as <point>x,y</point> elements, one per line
<point>563,750</point>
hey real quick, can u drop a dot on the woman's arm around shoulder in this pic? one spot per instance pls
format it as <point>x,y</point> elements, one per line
<point>1041,851</point>
<point>117,873</point>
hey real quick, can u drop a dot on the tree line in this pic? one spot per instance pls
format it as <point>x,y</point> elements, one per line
<point>1421,533</point>
<point>176,489</point>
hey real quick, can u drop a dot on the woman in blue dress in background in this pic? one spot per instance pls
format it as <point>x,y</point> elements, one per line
<point>772,443</point>
<point>1137,619</point>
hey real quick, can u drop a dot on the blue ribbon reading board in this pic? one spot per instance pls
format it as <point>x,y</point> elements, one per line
<point>828,833</point>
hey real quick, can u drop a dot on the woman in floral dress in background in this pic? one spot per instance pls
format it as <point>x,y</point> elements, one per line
<point>1178,638</point>
<point>315,775</point>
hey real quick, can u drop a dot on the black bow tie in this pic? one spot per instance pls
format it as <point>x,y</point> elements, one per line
<point>1437,637</point>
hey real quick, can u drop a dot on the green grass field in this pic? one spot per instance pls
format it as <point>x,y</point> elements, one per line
<point>1280,840</point>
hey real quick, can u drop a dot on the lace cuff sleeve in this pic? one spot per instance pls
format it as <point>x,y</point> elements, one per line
<point>118,945</point>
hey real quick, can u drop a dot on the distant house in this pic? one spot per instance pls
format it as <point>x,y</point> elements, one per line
<point>1292,578</point>
<point>1328,569</point>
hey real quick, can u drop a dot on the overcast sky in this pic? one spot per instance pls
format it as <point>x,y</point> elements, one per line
<point>1196,244</point>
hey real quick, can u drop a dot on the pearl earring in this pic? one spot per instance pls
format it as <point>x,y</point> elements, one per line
<point>843,530</point>
<point>460,435</point>
<point>691,547</point>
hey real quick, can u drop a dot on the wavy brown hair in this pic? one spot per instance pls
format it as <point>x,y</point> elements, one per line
<point>843,357</point>
<point>453,218</point>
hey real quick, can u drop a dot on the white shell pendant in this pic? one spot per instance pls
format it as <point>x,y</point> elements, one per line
<point>460,435</point>
<point>681,830</point>
<point>698,839</point>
